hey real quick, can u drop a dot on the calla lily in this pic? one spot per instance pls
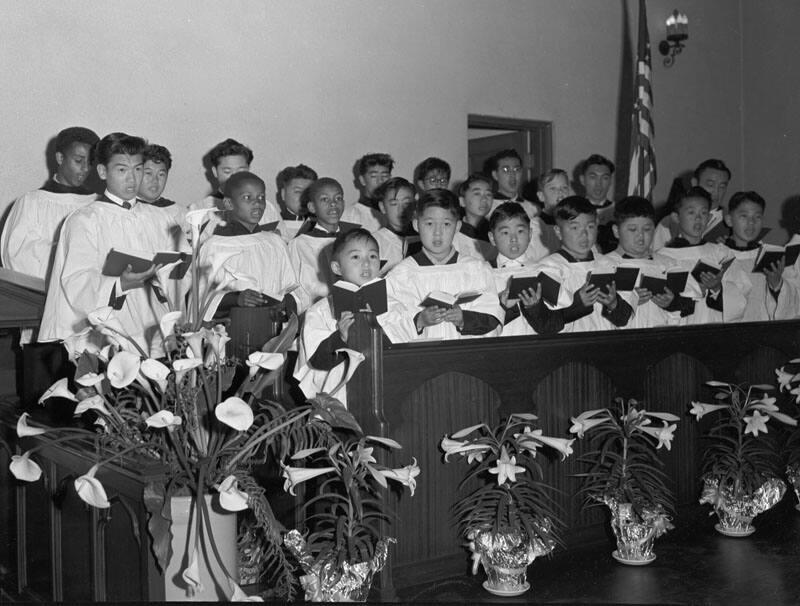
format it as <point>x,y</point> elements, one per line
<point>79,343</point>
<point>24,430</point>
<point>507,468</point>
<point>562,445</point>
<point>105,353</point>
<point>168,322</point>
<point>91,491</point>
<point>237,595</point>
<point>664,434</point>
<point>235,412</point>
<point>162,419</point>
<point>294,476</point>
<point>90,379</point>
<point>123,368</point>
<point>217,339</point>
<point>191,574</point>
<point>24,469</point>
<point>182,365</point>
<point>699,409</point>
<point>230,497</point>
<point>265,360</point>
<point>195,342</point>
<point>755,423</point>
<point>58,390</point>
<point>155,371</point>
<point>95,402</point>
<point>405,475</point>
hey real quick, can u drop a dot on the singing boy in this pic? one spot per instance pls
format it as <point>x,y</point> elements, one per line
<point>396,202</point>
<point>596,173</point>
<point>505,168</point>
<point>372,169</point>
<point>432,173</point>
<point>292,182</point>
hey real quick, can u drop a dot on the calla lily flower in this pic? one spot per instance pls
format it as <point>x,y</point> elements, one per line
<point>123,368</point>
<point>155,371</point>
<point>265,360</point>
<point>230,497</point>
<point>90,379</point>
<point>91,491</point>
<point>168,322</point>
<point>294,476</point>
<point>699,409</point>
<point>162,419</point>
<point>217,340</point>
<point>195,342</point>
<point>95,402</point>
<point>237,595</point>
<point>562,445</point>
<point>755,423</point>
<point>24,430</point>
<point>507,468</point>
<point>191,574</point>
<point>664,434</point>
<point>79,343</point>
<point>182,365</point>
<point>58,390</point>
<point>235,412</point>
<point>405,475</point>
<point>24,469</point>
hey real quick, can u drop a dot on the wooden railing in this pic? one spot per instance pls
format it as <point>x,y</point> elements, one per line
<point>418,392</point>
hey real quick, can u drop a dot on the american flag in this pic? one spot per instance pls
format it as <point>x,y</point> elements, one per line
<point>642,174</point>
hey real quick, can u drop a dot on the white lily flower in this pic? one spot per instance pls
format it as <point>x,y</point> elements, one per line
<point>463,433</point>
<point>451,446</point>
<point>92,403</point>
<point>163,419</point>
<point>765,404</point>
<point>664,416</point>
<point>90,490</point>
<point>785,378</point>
<point>664,434</point>
<point>405,475</point>
<point>191,574</point>
<point>507,468</point>
<point>58,390</point>
<point>585,421</point>
<point>235,412</point>
<point>217,340</point>
<point>90,379</point>
<point>168,322</point>
<point>385,441</point>
<point>796,392</point>
<point>755,423</point>
<point>779,416</point>
<point>24,469</point>
<point>79,343</point>
<point>105,353</point>
<point>24,430</point>
<point>699,409</point>
<point>182,365</point>
<point>265,360</point>
<point>237,595</point>
<point>155,371</point>
<point>230,497</point>
<point>294,476</point>
<point>562,445</point>
<point>123,368</point>
<point>195,341</point>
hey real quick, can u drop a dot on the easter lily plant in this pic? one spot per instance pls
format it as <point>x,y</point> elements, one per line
<point>789,380</point>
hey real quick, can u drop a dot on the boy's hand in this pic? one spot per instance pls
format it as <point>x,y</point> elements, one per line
<point>665,299</point>
<point>503,296</point>
<point>344,324</point>
<point>608,299</point>
<point>587,294</point>
<point>250,298</point>
<point>130,279</point>
<point>430,316</point>
<point>774,274</point>
<point>643,295</point>
<point>530,297</point>
<point>711,281</point>
<point>456,316</point>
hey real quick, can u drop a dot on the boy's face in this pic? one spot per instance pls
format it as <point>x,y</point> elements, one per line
<point>508,176</point>
<point>434,179</point>
<point>247,203</point>
<point>553,192</point>
<point>437,227</point>
<point>122,174</point>
<point>745,222</point>
<point>374,176</point>
<point>635,236</point>
<point>477,200</point>
<point>226,166</point>
<point>511,237</point>
<point>154,180</point>
<point>328,206</point>
<point>292,194</point>
<point>358,262</point>
<point>397,208</point>
<point>597,181</point>
<point>715,182</point>
<point>73,164</point>
<point>578,235</point>
<point>692,218</point>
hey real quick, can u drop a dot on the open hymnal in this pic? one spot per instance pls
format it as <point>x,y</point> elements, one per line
<point>703,266</point>
<point>550,287</point>
<point>118,260</point>
<point>674,279</point>
<point>442,299</point>
<point>371,296</point>
<point>623,277</point>
<point>770,254</point>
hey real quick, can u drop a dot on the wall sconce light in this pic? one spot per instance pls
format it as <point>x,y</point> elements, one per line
<point>677,32</point>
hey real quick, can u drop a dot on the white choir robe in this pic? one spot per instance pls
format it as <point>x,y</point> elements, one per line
<point>648,314</point>
<point>31,230</point>
<point>686,258</point>
<point>572,276</point>
<point>667,228</point>
<point>272,214</point>
<point>747,297</point>
<point>521,267</point>
<point>256,261</point>
<point>78,287</point>
<point>408,284</point>
<point>311,259</point>
<point>544,240</point>
<point>390,248</point>
<point>361,214</point>
<point>288,228</point>
<point>473,247</point>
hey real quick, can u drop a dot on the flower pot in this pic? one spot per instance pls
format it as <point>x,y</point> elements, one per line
<point>793,475</point>
<point>214,582</point>
<point>636,534</point>
<point>736,511</point>
<point>505,557</point>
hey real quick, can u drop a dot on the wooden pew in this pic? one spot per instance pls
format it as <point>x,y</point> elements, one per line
<point>417,392</point>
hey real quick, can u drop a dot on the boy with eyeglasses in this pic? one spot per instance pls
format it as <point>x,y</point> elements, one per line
<point>432,173</point>
<point>506,170</point>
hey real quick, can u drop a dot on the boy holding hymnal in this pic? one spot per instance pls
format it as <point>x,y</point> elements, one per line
<point>322,362</point>
<point>439,267</point>
<point>582,304</point>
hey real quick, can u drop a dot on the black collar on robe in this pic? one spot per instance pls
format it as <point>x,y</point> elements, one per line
<point>476,233</point>
<point>162,202</point>
<point>424,260</point>
<point>235,228</point>
<point>288,215</point>
<point>103,198</point>
<point>680,242</point>
<point>572,259</point>
<point>368,202</point>
<point>54,187</point>
<point>502,197</point>
<point>627,256</point>
<point>730,243</point>
<point>408,231</point>
<point>309,228</point>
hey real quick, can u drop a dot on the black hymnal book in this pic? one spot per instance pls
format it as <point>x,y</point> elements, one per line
<point>769,254</point>
<point>118,260</point>
<point>437,298</point>
<point>411,246</point>
<point>625,277</point>
<point>674,280</point>
<point>601,280</point>
<point>367,297</point>
<point>707,266</point>
<point>550,287</point>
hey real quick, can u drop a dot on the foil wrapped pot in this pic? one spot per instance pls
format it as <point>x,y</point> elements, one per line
<point>735,510</point>
<point>505,556</point>
<point>636,533</point>
<point>793,475</point>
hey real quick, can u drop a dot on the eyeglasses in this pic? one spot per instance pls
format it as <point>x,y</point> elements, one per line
<point>511,169</point>
<point>437,181</point>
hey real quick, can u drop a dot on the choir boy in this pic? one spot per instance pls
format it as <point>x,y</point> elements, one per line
<point>373,170</point>
<point>157,164</point>
<point>506,170</point>
<point>596,173</point>
<point>292,182</point>
<point>432,173</point>
<point>396,202</point>
<point>552,187</point>
<point>475,198</point>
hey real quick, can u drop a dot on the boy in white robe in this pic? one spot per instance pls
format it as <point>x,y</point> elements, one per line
<point>373,170</point>
<point>552,187</point>
<point>115,220</point>
<point>396,202</point>
<point>581,306</point>
<point>310,250</point>
<point>439,267</point>
<point>292,182</point>
<point>505,168</point>
<point>30,234</point>
<point>475,198</point>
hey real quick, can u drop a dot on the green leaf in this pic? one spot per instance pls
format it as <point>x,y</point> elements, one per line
<point>159,522</point>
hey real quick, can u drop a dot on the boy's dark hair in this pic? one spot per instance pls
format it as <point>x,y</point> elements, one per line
<point>572,206</point>
<point>596,159</point>
<point>229,147</point>
<point>740,197</point>
<point>118,143</point>
<point>438,198</point>
<point>237,179</point>
<point>431,164</point>
<point>317,185</point>
<point>508,210</point>
<point>693,192</point>
<point>301,171</point>
<point>711,163</point>
<point>473,178</point>
<point>158,154</point>
<point>633,207</point>
<point>547,176</point>
<point>75,134</point>
<point>344,238</point>
<point>391,187</point>
<point>368,161</point>
<point>492,163</point>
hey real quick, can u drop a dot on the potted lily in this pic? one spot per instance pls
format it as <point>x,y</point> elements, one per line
<point>510,518</point>
<point>789,380</point>
<point>740,462</point>
<point>625,474</point>
<point>343,544</point>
